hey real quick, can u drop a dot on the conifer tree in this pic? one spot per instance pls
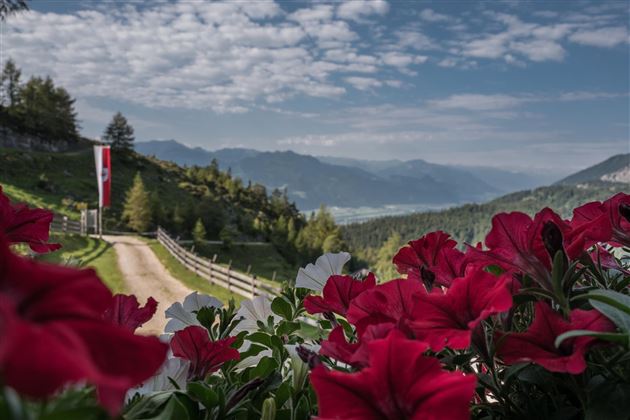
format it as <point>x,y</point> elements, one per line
<point>119,133</point>
<point>199,232</point>
<point>137,209</point>
<point>10,85</point>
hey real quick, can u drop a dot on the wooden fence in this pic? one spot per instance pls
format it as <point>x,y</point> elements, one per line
<point>62,224</point>
<point>227,278</point>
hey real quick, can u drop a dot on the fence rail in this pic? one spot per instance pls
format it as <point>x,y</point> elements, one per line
<point>234,281</point>
<point>64,225</point>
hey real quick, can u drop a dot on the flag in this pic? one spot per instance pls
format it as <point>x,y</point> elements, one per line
<point>102,158</point>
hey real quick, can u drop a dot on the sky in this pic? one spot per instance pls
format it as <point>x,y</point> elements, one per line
<point>529,85</point>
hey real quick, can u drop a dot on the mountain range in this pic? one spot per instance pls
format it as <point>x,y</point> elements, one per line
<point>340,182</point>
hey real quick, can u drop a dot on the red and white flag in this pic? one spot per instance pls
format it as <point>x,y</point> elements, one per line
<point>102,158</point>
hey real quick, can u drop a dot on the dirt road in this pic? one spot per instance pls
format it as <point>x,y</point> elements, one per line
<point>145,276</point>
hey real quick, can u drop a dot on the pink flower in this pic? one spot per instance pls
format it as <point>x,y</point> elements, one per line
<point>399,383</point>
<point>432,259</point>
<point>53,333</point>
<point>537,343</point>
<point>390,302</point>
<point>448,320</point>
<point>337,294</point>
<point>19,224</point>
<point>206,356</point>
<point>126,312</point>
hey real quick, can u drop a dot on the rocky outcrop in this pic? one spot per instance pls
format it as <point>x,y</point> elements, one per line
<point>12,139</point>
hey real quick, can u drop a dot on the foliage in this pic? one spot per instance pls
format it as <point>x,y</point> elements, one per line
<point>199,232</point>
<point>9,7</point>
<point>119,133</point>
<point>470,222</point>
<point>535,323</point>
<point>137,210</point>
<point>37,107</point>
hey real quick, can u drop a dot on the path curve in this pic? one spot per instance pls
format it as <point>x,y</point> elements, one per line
<point>145,276</point>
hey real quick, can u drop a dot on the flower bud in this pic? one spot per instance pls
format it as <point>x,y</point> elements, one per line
<point>268,409</point>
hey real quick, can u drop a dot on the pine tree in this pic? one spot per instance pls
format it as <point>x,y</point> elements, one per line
<point>9,7</point>
<point>199,232</point>
<point>119,134</point>
<point>10,85</point>
<point>137,209</point>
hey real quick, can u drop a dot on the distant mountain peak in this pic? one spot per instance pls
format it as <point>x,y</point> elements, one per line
<point>614,169</point>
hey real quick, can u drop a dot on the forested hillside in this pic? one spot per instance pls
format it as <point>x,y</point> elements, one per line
<point>468,223</point>
<point>200,202</point>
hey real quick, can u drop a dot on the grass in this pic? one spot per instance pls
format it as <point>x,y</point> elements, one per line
<point>188,278</point>
<point>91,252</point>
<point>262,260</point>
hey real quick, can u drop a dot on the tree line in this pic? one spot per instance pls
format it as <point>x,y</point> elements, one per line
<point>221,207</point>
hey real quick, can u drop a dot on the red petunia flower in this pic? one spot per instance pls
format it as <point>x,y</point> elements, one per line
<point>432,259</point>
<point>193,343</point>
<point>355,354</point>
<point>126,312</point>
<point>400,383</point>
<point>19,224</point>
<point>537,343</point>
<point>617,208</point>
<point>337,294</point>
<point>448,320</point>
<point>519,244</point>
<point>390,302</point>
<point>53,333</point>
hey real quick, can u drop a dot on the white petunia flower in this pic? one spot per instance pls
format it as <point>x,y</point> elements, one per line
<point>315,276</point>
<point>182,316</point>
<point>175,369</point>
<point>252,311</point>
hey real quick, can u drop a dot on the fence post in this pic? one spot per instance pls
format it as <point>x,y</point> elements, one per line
<point>228,276</point>
<point>253,286</point>
<point>273,276</point>
<point>64,225</point>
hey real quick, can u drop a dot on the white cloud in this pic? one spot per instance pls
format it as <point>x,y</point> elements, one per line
<point>364,83</point>
<point>539,50</point>
<point>499,102</point>
<point>431,16</point>
<point>358,10</point>
<point>477,102</point>
<point>224,56</point>
<point>602,37</point>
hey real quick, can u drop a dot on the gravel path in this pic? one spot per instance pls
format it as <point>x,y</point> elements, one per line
<point>145,276</point>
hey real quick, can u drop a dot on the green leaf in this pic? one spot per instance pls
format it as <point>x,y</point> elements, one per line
<point>261,338</point>
<point>281,307</point>
<point>619,338</point>
<point>613,305</point>
<point>309,331</point>
<point>287,327</point>
<point>203,393</point>
<point>265,366</point>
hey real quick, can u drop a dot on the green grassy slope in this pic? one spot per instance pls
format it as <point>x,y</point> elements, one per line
<point>189,278</point>
<point>263,260</point>
<point>85,251</point>
<point>470,223</point>
<point>58,180</point>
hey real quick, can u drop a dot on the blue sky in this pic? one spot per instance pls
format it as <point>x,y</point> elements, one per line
<point>530,85</point>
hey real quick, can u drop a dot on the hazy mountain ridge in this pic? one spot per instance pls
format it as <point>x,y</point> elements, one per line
<point>614,169</point>
<point>311,181</point>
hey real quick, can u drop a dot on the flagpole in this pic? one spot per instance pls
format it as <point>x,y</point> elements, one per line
<point>100,222</point>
